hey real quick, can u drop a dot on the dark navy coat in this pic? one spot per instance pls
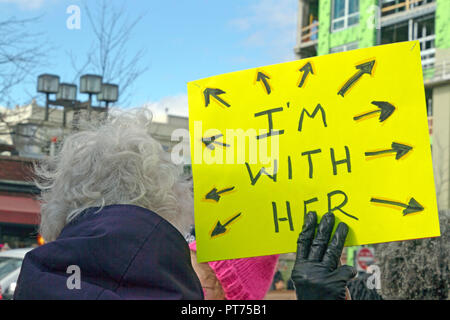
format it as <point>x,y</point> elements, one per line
<point>122,251</point>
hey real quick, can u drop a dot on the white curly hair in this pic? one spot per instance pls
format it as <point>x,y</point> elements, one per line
<point>114,161</point>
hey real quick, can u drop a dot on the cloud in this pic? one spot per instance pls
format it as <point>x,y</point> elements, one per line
<point>174,105</point>
<point>241,24</point>
<point>26,4</point>
<point>270,24</point>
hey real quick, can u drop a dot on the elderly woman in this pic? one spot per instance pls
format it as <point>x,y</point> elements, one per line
<point>111,205</point>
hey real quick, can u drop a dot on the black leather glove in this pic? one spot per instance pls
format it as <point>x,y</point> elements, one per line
<point>316,274</point>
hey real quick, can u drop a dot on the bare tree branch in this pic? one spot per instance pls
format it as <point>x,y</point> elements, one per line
<point>21,52</point>
<point>108,55</point>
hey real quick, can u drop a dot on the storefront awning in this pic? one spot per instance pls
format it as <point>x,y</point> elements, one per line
<point>19,210</point>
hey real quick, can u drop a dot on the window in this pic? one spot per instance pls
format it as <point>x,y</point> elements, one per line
<point>345,47</point>
<point>429,100</point>
<point>8,265</point>
<point>345,13</point>
<point>421,29</point>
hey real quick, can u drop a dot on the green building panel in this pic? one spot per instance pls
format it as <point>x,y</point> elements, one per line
<point>323,43</point>
<point>364,33</point>
<point>442,24</point>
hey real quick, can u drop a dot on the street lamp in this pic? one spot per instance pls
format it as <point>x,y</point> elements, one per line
<point>66,94</point>
<point>109,93</point>
<point>90,84</point>
<point>47,83</point>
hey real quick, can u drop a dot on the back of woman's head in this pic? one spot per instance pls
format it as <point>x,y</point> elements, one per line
<point>113,161</point>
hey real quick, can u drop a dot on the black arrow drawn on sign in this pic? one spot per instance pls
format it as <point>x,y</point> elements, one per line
<point>262,77</point>
<point>364,68</point>
<point>398,148</point>
<point>411,207</point>
<point>220,228</point>
<point>208,92</point>
<point>306,69</point>
<point>384,108</point>
<point>210,141</point>
<point>215,195</point>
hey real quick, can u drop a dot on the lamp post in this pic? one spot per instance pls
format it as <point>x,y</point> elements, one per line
<point>66,96</point>
<point>66,93</point>
<point>47,83</point>
<point>109,93</point>
<point>90,84</point>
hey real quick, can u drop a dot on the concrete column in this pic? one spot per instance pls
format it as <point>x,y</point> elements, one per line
<point>302,21</point>
<point>441,143</point>
<point>301,8</point>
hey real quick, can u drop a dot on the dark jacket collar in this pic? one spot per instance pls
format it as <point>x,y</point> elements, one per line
<point>122,251</point>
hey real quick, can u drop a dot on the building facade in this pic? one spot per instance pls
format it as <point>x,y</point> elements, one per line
<point>19,207</point>
<point>25,138</point>
<point>329,26</point>
<point>24,133</point>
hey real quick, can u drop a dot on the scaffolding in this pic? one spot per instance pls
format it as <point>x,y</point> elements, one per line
<point>408,20</point>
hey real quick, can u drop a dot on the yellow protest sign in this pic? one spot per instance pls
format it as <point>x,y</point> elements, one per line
<point>345,132</point>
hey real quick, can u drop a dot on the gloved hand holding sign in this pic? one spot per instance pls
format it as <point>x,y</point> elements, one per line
<point>316,273</point>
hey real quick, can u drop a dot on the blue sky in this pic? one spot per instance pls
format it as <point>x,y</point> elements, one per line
<point>184,41</point>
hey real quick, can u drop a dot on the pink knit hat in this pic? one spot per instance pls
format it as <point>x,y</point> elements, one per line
<point>246,278</point>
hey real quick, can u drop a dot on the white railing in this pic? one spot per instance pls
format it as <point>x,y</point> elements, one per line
<point>402,6</point>
<point>428,58</point>
<point>310,32</point>
<point>441,71</point>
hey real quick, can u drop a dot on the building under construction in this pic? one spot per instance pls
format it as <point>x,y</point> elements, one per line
<point>329,26</point>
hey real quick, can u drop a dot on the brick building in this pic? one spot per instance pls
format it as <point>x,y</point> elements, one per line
<point>19,208</point>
